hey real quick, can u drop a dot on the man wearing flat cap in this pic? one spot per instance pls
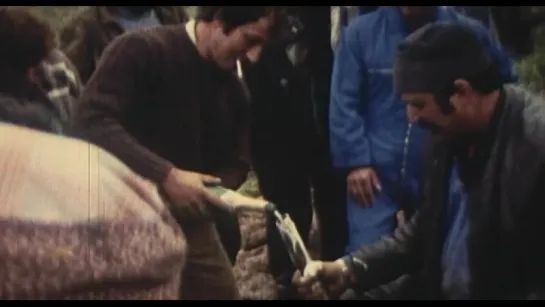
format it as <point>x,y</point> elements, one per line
<point>371,139</point>
<point>476,234</point>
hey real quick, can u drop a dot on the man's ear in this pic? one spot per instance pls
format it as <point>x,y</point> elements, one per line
<point>462,87</point>
<point>32,74</point>
<point>462,90</point>
<point>254,53</point>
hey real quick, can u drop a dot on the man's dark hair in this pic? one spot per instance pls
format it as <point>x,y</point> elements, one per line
<point>234,16</point>
<point>433,57</point>
<point>25,39</point>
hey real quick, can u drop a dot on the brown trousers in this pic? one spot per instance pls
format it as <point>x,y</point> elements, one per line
<point>208,273</point>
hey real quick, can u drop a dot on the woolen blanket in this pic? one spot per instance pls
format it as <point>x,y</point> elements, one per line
<point>76,223</point>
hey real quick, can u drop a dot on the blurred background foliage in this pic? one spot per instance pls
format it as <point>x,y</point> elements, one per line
<point>531,68</point>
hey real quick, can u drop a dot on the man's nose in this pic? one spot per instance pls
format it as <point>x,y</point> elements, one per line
<point>254,53</point>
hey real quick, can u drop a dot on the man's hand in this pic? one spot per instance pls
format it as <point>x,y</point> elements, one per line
<point>333,276</point>
<point>187,190</point>
<point>362,184</point>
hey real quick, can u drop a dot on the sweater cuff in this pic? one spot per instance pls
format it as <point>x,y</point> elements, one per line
<point>158,170</point>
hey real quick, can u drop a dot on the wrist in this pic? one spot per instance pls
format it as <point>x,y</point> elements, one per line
<point>355,168</point>
<point>170,173</point>
<point>352,267</point>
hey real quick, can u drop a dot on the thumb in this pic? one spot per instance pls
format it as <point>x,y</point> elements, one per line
<point>217,201</point>
<point>332,268</point>
<point>209,180</point>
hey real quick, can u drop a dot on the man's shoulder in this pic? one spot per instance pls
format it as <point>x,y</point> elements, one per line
<point>156,37</point>
<point>361,30</point>
<point>526,116</point>
<point>149,46</point>
<point>465,20</point>
<point>365,23</point>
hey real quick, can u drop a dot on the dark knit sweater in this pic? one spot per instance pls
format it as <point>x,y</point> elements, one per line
<point>155,103</point>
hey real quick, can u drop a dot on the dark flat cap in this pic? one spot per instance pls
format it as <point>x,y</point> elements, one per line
<point>437,54</point>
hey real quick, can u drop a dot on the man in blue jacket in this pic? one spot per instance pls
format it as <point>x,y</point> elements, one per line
<point>370,136</point>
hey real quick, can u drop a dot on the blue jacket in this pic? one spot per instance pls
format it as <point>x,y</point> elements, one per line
<point>367,120</point>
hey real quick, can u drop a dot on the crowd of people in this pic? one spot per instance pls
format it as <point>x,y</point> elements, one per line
<point>401,126</point>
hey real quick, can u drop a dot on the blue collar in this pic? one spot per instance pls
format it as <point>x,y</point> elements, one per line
<point>128,15</point>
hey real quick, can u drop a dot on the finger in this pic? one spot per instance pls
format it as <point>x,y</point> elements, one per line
<point>296,278</point>
<point>189,206</point>
<point>368,192</point>
<point>213,199</point>
<point>198,204</point>
<point>312,271</point>
<point>357,192</point>
<point>305,292</point>
<point>375,182</point>
<point>209,179</point>
<point>336,288</point>
<point>353,192</point>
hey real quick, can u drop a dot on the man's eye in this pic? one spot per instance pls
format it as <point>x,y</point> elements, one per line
<point>417,105</point>
<point>252,41</point>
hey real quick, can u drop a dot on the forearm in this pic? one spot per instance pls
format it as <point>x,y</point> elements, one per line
<point>386,260</point>
<point>113,137</point>
<point>349,143</point>
<point>110,95</point>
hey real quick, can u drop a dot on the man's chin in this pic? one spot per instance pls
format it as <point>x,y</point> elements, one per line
<point>227,65</point>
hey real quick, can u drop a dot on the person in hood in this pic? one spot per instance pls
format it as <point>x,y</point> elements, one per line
<point>85,36</point>
<point>37,84</point>
<point>371,137</point>
<point>476,234</point>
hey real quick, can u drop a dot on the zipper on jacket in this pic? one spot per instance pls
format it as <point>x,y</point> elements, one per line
<point>405,155</point>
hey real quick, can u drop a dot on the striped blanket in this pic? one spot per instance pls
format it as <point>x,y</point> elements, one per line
<point>76,223</point>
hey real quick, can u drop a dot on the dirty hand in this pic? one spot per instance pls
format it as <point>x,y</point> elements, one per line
<point>362,184</point>
<point>187,190</point>
<point>333,276</point>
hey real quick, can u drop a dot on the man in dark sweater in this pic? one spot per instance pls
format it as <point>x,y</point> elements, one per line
<point>166,101</point>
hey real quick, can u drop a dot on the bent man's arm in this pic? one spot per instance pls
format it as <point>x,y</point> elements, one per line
<point>348,134</point>
<point>388,259</point>
<point>122,78</point>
